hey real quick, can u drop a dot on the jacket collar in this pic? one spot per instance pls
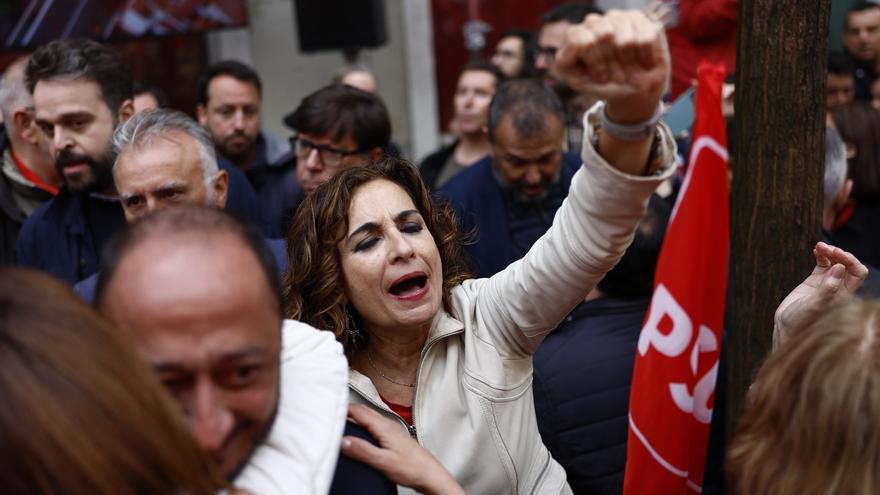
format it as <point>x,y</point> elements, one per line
<point>443,326</point>
<point>69,207</point>
<point>72,208</point>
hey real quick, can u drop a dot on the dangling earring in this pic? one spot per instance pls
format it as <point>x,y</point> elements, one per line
<point>353,334</point>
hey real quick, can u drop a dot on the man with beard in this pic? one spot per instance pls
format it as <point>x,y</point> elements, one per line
<point>230,96</point>
<point>81,91</point>
<point>554,24</point>
<point>511,196</point>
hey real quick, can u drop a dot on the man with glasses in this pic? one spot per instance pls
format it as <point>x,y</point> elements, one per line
<point>337,127</point>
<point>554,23</point>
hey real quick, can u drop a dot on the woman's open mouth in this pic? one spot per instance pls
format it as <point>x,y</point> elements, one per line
<point>410,287</point>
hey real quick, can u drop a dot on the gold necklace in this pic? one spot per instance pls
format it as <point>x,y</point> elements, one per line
<point>370,359</point>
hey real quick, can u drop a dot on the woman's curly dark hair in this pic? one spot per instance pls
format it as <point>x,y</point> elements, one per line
<point>314,285</point>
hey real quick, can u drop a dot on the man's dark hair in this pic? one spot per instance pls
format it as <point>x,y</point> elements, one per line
<point>839,64</point>
<point>482,66</point>
<point>186,219</point>
<point>338,111</point>
<point>572,13</point>
<point>528,43</point>
<point>860,7</point>
<point>231,68</point>
<point>160,96</point>
<point>527,102</point>
<point>82,59</point>
<point>633,276</point>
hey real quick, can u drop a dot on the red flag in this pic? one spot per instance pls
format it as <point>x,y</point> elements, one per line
<point>673,385</point>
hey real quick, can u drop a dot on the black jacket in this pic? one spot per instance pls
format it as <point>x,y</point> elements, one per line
<point>64,237</point>
<point>432,164</point>
<point>11,216</point>
<point>582,381</point>
<point>278,193</point>
<point>11,220</point>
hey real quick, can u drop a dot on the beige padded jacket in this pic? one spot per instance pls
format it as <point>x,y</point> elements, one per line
<point>473,407</point>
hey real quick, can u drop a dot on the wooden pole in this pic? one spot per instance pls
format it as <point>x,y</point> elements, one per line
<point>778,166</point>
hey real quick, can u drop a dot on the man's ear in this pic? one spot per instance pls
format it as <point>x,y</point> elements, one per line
<point>23,122</point>
<point>842,197</point>
<point>221,188</point>
<point>376,153</point>
<point>126,110</point>
<point>201,114</point>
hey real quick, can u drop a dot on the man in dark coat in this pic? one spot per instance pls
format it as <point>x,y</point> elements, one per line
<point>583,369</point>
<point>509,198</point>
<point>27,168</point>
<point>81,91</point>
<point>230,96</point>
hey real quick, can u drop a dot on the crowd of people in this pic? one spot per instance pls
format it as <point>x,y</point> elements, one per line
<point>200,306</point>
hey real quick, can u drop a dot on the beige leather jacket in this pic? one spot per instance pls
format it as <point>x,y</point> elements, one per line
<point>473,405</point>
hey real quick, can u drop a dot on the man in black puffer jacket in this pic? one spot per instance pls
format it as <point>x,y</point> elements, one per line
<point>583,369</point>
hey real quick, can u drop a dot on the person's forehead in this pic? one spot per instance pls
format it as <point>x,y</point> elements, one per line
<point>225,89</point>
<point>476,79</point>
<point>553,33</point>
<point>513,43</point>
<point>56,98</point>
<point>548,138</point>
<point>376,200</point>
<point>346,141</point>
<point>193,297</point>
<point>171,156</point>
<point>147,98</point>
<point>863,18</point>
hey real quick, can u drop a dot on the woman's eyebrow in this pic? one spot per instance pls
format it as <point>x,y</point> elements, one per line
<point>400,217</point>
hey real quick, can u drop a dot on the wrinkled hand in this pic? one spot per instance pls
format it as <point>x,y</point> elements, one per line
<point>620,57</point>
<point>836,277</point>
<point>398,456</point>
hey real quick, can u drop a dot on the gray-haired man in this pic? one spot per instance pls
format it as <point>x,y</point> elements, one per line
<point>164,158</point>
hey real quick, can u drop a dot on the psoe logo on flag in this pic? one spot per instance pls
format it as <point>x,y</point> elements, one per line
<point>673,344</point>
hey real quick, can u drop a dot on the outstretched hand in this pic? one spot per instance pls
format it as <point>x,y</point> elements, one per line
<point>398,456</point>
<point>837,275</point>
<point>620,57</point>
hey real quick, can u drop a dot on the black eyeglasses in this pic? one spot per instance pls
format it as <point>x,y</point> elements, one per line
<point>329,156</point>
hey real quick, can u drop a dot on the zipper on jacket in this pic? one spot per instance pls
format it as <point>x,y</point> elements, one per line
<point>412,428</point>
<point>385,408</point>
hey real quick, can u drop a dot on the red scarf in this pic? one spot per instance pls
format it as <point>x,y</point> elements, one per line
<point>30,175</point>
